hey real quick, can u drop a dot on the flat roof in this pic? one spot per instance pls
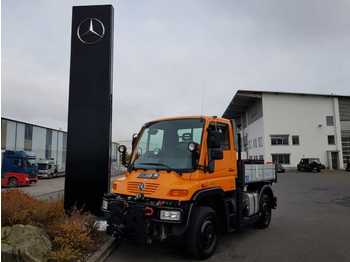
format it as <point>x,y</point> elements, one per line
<point>245,98</point>
<point>22,122</point>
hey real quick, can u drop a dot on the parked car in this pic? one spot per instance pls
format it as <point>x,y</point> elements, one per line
<point>347,165</point>
<point>280,168</point>
<point>310,165</point>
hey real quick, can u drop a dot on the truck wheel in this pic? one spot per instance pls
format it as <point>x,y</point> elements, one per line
<point>265,212</point>
<point>12,182</point>
<point>202,233</point>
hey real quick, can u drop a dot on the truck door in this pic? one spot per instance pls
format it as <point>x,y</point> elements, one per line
<point>222,167</point>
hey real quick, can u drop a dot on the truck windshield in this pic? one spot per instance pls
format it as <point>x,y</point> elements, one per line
<point>164,144</point>
<point>42,166</point>
<point>31,162</point>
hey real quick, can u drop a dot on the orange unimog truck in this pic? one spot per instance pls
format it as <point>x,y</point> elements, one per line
<point>185,179</point>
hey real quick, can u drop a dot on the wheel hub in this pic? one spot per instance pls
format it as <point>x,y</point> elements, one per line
<point>207,234</point>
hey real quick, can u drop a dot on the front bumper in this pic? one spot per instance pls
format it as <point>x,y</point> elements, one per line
<point>43,175</point>
<point>33,179</point>
<point>140,220</point>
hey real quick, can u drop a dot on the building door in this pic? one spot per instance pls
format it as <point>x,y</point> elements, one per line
<point>335,161</point>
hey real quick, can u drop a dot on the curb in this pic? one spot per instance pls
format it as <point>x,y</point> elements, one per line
<point>103,253</point>
<point>54,195</point>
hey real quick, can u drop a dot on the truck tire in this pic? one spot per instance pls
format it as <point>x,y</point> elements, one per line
<point>12,182</point>
<point>265,212</point>
<point>202,233</point>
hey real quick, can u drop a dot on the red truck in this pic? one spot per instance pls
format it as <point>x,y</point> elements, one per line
<point>18,169</point>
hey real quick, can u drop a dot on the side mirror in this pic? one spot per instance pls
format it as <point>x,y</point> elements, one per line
<point>216,154</point>
<point>134,140</point>
<point>122,151</point>
<point>214,138</point>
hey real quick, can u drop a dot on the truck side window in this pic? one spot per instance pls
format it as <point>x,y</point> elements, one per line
<point>224,137</point>
<point>17,162</point>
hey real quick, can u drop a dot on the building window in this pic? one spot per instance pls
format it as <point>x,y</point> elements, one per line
<point>245,142</point>
<point>254,143</point>
<point>261,157</point>
<point>329,121</point>
<point>279,140</point>
<point>295,140</point>
<point>48,144</point>
<point>3,133</point>
<point>281,158</point>
<point>260,142</point>
<point>345,140</point>
<point>28,136</point>
<point>331,140</point>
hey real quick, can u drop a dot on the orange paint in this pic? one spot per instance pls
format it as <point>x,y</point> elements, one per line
<point>175,186</point>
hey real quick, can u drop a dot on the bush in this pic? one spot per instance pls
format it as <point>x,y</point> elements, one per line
<point>20,208</point>
<point>73,236</point>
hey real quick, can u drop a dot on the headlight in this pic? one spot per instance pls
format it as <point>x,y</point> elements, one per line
<point>104,204</point>
<point>170,215</point>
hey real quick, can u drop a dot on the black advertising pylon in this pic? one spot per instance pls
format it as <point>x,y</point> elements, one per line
<point>90,108</point>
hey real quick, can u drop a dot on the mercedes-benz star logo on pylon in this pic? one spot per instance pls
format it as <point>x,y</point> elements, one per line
<point>90,31</point>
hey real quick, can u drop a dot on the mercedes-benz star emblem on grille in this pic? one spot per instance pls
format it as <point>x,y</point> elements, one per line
<point>141,186</point>
<point>90,31</point>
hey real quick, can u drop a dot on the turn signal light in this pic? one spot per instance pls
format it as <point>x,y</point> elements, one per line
<point>114,187</point>
<point>178,192</point>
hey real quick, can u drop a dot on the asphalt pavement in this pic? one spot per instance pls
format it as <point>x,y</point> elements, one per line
<point>43,186</point>
<point>46,187</point>
<point>311,223</point>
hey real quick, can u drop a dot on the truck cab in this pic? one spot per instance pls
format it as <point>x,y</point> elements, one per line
<point>185,179</point>
<point>19,168</point>
<point>47,168</point>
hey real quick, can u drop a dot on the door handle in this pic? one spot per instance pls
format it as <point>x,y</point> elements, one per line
<point>231,169</point>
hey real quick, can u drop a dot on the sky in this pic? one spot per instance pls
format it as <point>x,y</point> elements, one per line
<point>181,57</point>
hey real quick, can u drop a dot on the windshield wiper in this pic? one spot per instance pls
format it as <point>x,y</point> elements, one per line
<point>156,164</point>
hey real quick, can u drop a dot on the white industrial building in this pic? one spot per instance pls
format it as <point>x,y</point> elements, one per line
<point>285,127</point>
<point>44,142</point>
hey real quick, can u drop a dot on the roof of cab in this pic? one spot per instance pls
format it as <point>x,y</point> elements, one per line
<point>190,117</point>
